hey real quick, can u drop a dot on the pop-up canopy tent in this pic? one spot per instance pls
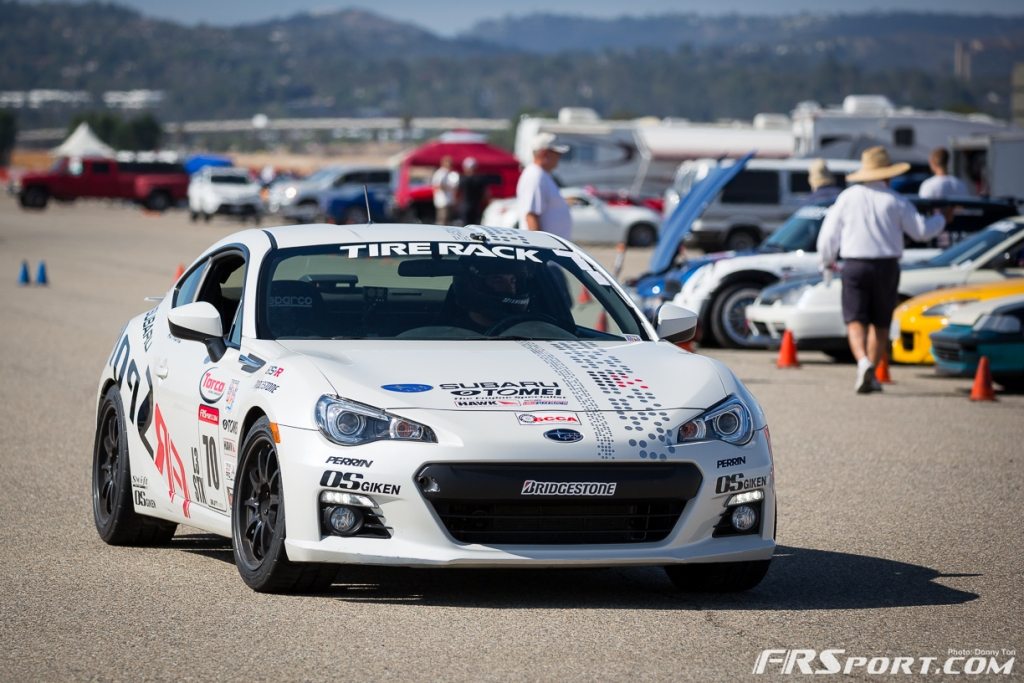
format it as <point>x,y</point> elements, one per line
<point>501,168</point>
<point>84,143</point>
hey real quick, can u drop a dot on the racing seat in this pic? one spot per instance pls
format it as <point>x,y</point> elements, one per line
<point>294,310</point>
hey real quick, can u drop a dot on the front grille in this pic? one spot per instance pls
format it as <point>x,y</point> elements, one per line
<point>949,353</point>
<point>557,522</point>
<point>907,340</point>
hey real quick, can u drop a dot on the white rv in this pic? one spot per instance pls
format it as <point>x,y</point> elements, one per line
<point>992,165</point>
<point>642,155</point>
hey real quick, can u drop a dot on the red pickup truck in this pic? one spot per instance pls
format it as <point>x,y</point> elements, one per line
<point>155,185</point>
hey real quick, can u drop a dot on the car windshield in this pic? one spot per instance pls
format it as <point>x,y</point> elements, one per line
<point>973,247</point>
<point>229,179</point>
<point>321,177</point>
<point>439,290</point>
<point>800,232</point>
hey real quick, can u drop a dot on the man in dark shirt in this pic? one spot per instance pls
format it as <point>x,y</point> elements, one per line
<point>473,191</point>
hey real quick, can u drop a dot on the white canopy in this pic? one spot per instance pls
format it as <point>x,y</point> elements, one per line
<point>83,143</point>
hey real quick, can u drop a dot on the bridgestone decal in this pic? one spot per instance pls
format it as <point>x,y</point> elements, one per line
<point>568,488</point>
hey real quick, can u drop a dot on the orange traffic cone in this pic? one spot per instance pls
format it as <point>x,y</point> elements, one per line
<point>787,352</point>
<point>584,297</point>
<point>602,322</point>
<point>982,389</point>
<point>882,370</point>
<point>687,346</point>
<point>179,272</point>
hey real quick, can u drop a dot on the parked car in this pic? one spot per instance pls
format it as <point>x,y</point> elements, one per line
<point>155,185</point>
<point>218,191</point>
<point>594,221</point>
<point>308,200</point>
<point>427,396</point>
<point>916,318</point>
<point>812,308</point>
<point>349,208</point>
<point>992,328</point>
<point>752,204</point>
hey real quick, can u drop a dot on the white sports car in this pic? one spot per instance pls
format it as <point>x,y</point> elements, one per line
<point>421,395</point>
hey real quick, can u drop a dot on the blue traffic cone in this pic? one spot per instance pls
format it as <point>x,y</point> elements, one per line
<point>23,278</point>
<point>41,274</point>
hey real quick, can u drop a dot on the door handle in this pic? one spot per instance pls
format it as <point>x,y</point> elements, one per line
<point>161,370</point>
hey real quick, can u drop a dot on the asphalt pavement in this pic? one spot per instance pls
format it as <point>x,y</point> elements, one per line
<point>899,524</point>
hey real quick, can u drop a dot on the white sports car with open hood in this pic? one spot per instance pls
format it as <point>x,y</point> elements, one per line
<point>427,396</point>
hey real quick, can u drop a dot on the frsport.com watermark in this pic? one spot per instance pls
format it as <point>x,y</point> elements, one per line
<point>956,662</point>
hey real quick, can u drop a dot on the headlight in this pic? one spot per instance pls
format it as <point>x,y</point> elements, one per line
<point>729,421</point>
<point>350,424</point>
<point>1006,324</point>
<point>290,193</point>
<point>942,310</point>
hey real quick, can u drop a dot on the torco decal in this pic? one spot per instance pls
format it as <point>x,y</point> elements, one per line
<point>211,388</point>
<point>406,388</point>
<point>732,462</point>
<point>731,483</point>
<point>169,464</point>
<point>208,414</point>
<point>349,462</point>
<point>388,249</point>
<point>568,488</point>
<point>350,481</point>
<point>547,418</point>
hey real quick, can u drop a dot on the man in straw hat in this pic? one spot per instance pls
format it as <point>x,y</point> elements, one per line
<point>866,226</point>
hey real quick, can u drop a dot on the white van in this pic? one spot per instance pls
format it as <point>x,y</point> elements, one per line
<point>753,204</point>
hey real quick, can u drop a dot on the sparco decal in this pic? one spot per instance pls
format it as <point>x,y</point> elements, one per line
<point>387,249</point>
<point>568,488</point>
<point>348,462</point>
<point>211,388</point>
<point>731,483</point>
<point>351,481</point>
<point>547,418</point>
<point>732,462</point>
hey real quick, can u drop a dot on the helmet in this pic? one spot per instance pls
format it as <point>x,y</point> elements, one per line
<point>493,287</point>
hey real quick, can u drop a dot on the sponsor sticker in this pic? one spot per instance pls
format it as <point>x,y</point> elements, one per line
<point>532,487</point>
<point>229,402</point>
<point>348,462</point>
<point>390,249</point>
<point>407,388</point>
<point>210,388</point>
<point>353,481</point>
<point>732,462</point>
<point>262,385</point>
<point>208,414</point>
<point>731,483</point>
<point>547,418</point>
<point>274,371</point>
<point>563,435</point>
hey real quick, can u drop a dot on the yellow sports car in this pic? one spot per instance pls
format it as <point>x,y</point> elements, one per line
<point>917,318</point>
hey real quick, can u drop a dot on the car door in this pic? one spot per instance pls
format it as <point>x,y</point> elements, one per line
<point>195,394</point>
<point>589,222</point>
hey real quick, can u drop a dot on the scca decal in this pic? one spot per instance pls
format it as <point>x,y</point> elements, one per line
<point>547,418</point>
<point>350,481</point>
<point>211,388</point>
<point>387,249</point>
<point>731,483</point>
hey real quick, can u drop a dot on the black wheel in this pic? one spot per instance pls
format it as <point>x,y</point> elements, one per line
<point>258,522</point>
<point>729,315</point>
<point>642,235</point>
<point>307,212</point>
<point>193,216</point>
<point>34,198</point>
<point>112,506</point>
<point>742,239</point>
<point>158,201</point>
<point>717,577</point>
<point>206,216</point>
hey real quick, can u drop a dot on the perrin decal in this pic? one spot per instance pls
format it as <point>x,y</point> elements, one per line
<point>350,481</point>
<point>348,462</point>
<point>211,388</point>
<point>389,249</point>
<point>547,418</point>
<point>732,462</point>
<point>568,488</point>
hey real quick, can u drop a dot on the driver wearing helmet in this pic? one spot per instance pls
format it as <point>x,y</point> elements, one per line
<point>488,291</point>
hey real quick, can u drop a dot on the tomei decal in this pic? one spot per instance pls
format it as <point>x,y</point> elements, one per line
<point>732,462</point>
<point>229,402</point>
<point>349,462</point>
<point>352,481</point>
<point>169,464</point>
<point>547,418</point>
<point>406,388</point>
<point>731,483</point>
<point>388,249</point>
<point>568,488</point>
<point>503,389</point>
<point>211,388</point>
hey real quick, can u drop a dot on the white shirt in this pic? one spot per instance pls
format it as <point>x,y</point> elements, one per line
<point>445,182</point>
<point>939,186</point>
<point>538,193</point>
<point>868,221</point>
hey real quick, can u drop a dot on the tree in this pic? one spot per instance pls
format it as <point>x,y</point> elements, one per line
<point>8,131</point>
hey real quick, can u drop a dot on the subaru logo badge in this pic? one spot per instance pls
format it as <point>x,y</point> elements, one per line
<point>563,435</point>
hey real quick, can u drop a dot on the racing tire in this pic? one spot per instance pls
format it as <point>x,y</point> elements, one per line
<point>158,201</point>
<point>742,239</point>
<point>641,235</point>
<point>258,523</point>
<point>34,198</point>
<point>717,577</point>
<point>112,506</point>
<point>728,315</point>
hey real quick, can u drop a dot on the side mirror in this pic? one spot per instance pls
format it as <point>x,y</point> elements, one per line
<point>199,321</point>
<point>675,323</point>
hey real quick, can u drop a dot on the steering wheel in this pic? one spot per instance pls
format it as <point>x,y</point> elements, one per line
<point>513,320</point>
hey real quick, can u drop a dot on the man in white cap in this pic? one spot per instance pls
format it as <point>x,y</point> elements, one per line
<point>866,226</point>
<point>539,202</point>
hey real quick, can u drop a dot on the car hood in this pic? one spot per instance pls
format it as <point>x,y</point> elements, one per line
<point>517,376</point>
<point>236,191</point>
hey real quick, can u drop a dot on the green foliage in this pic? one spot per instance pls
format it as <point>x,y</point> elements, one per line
<point>8,130</point>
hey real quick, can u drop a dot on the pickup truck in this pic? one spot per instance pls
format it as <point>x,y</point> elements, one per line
<point>155,185</point>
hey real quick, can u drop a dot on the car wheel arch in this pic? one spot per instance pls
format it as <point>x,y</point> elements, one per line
<point>251,417</point>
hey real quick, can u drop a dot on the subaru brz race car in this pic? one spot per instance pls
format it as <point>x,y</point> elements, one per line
<point>427,396</point>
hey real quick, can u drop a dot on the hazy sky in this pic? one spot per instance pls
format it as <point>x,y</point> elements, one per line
<point>447,17</point>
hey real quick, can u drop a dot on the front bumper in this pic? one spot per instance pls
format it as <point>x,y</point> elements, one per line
<point>419,536</point>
